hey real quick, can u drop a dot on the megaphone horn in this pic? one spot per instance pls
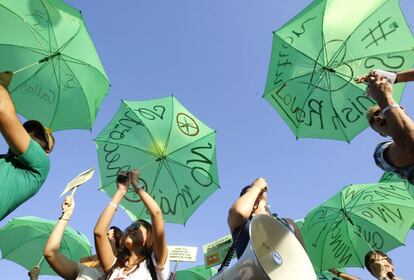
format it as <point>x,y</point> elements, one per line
<point>273,253</point>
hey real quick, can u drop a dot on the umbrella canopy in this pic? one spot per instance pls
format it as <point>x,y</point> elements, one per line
<point>61,81</point>
<point>360,218</point>
<point>196,273</point>
<point>175,152</point>
<point>316,56</point>
<point>22,241</point>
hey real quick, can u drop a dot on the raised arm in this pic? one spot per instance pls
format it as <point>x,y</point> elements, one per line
<point>102,244</point>
<point>59,262</point>
<point>399,124</point>
<point>10,126</point>
<point>343,275</point>
<point>241,209</point>
<point>405,76</point>
<point>158,232</point>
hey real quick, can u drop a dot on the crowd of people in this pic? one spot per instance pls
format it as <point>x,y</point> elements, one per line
<point>140,251</point>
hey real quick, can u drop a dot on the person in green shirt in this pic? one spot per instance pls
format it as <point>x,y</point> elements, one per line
<point>26,165</point>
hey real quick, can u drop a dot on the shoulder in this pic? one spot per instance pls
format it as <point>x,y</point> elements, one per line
<point>380,156</point>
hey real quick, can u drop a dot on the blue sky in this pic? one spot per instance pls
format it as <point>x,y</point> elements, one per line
<point>213,56</point>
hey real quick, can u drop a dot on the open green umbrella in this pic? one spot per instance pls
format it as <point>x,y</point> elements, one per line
<point>196,273</point>
<point>360,218</point>
<point>175,152</point>
<point>317,54</point>
<point>59,79</point>
<point>23,239</point>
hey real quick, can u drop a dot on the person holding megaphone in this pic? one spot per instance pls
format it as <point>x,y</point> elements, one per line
<point>253,201</point>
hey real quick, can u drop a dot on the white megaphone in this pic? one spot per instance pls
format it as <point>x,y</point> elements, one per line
<point>273,253</point>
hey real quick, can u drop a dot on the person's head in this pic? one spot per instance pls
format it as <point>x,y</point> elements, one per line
<point>138,236</point>
<point>40,134</point>
<point>377,120</point>
<point>377,261</point>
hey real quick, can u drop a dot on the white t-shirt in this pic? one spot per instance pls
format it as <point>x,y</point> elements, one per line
<point>87,273</point>
<point>142,272</point>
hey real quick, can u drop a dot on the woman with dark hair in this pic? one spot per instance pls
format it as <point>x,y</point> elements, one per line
<point>63,266</point>
<point>143,253</point>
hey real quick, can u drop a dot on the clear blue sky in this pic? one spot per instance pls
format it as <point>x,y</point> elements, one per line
<point>213,56</point>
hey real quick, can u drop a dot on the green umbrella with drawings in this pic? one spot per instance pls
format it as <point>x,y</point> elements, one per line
<point>175,152</point>
<point>317,54</point>
<point>23,239</point>
<point>58,77</point>
<point>360,218</point>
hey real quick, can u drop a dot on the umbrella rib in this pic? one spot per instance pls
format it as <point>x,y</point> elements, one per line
<point>29,27</point>
<point>364,20</point>
<point>177,187</point>
<point>149,132</point>
<point>334,109</point>
<point>51,30</point>
<point>187,167</point>
<point>379,54</point>
<point>35,50</point>
<point>43,65</point>
<point>129,146</point>
<point>77,61</point>
<point>213,132</point>
<point>171,125</point>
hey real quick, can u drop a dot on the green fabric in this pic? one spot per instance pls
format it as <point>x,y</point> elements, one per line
<point>337,232</point>
<point>316,56</point>
<point>196,273</point>
<point>23,239</point>
<point>394,177</point>
<point>22,177</point>
<point>65,91</point>
<point>326,275</point>
<point>175,152</point>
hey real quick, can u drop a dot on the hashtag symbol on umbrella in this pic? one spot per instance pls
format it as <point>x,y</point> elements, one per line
<point>378,33</point>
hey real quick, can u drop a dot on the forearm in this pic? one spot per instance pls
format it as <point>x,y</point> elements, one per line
<point>405,76</point>
<point>52,246</point>
<point>160,244</point>
<point>347,276</point>
<point>104,221</point>
<point>244,205</point>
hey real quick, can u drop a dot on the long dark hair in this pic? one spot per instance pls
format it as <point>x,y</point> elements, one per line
<point>122,255</point>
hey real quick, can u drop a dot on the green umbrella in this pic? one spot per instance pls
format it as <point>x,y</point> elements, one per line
<point>394,177</point>
<point>317,54</point>
<point>324,275</point>
<point>22,241</point>
<point>360,218</point>
<point>59,79</point>
<point>175,152</point>
<point>196,273</point>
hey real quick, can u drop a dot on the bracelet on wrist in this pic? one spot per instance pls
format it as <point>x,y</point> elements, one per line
<point>389,107</point>
<point>63,218</point>
<point>113,204</point>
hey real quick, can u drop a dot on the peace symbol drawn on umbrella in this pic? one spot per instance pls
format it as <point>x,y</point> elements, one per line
<point>187,125</point>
